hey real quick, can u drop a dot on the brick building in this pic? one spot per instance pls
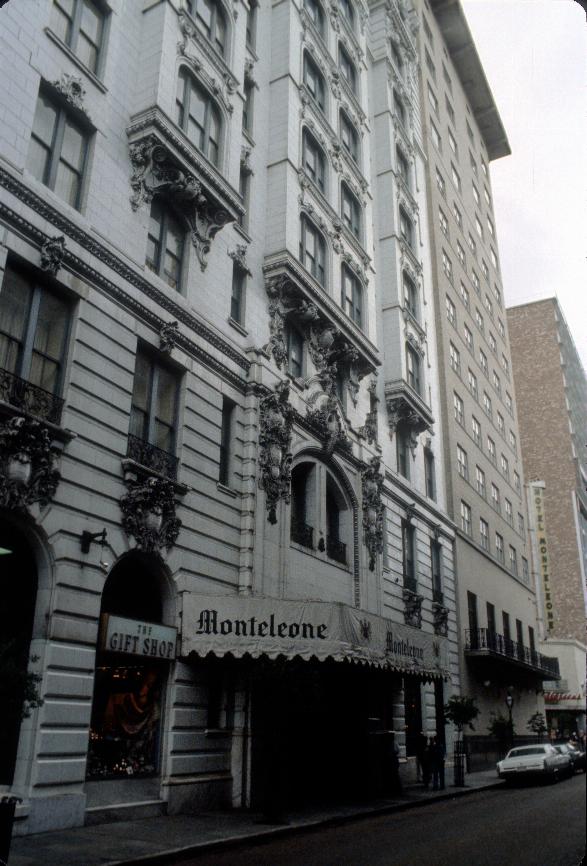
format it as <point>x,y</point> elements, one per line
<point>551,392</point>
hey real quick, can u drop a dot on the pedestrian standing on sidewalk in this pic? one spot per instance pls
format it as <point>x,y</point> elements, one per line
<point>421,746</point>
<point>425,764</point>
<point>437,764</point>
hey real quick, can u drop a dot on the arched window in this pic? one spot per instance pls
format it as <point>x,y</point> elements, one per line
<point>210,21</point>
<point>352,296</point>
<point>346,8</point>
<point>350,210</point>
<point>347,68</point>
<point>321,517</point>
<point>199,116</point>
<point>313,250</point>
<point>349,137</point>
<point>314,81</point>
<point>316,13</point>
<point>313,160</point>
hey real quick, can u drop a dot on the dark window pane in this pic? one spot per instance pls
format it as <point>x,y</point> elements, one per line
<point>67,184</point>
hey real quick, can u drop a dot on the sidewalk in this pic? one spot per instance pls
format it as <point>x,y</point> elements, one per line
<point>153,841</point>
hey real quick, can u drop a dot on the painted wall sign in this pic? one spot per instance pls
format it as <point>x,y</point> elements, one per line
<point>136,638</point>
<point>308,629</point>
<point>537,496</point>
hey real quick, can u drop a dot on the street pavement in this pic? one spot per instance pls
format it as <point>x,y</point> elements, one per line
<point>534,825</point>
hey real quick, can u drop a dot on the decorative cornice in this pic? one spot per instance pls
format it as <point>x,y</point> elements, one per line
<point>103,254</point>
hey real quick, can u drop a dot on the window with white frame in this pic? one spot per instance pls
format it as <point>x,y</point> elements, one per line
<point>509,514</point>
<point>476,431</point>
<point>414,369</point>
<point>472,244</point>
<point>521,523</point>
<point>403,166</point>
<point>465,518</point>
<point>490,228</point>
<point>479,320</point>
<point>505,364</point>
<point>430,64</point>
<point>462,463</point>
<point>475,193</point>
<point>436,139</point>
<point>313,160</point>
<point>440,183</point>
<point>512,440</point>
<point>459,409</point>
<point>456,178</point>
<point>447,266</point>
<point>500,423</point>
<point>473,386</point>
<point>517,481</point>
<point>349,137</point>
<point>316,13</point>
<point>495,498</point>
<point>461,255</point>
<point>487,196</point>
<point>509,405</point>
<point>452,143</point>
<point>484,534</point>
<point>513,560</point>
<point>199,116</point>
<point>400,109</point>
<point>492,343</point>
<point>348,13</point>
<point>432,99</point>
<point>465,297</point>
<point>487,404</point>
<point>479,227</point>
<point>80,24</point>
<point>312,249</point>
<point>505,466</point>
<point>350,210</point>
<point>451,311</point>
<point>496,382</point>
<point>449,110</point>
<point>526,577</point>
<point>480,481</point>
<point>410,295</point>
<point>352,296</point>
<point>472,163</point>
<point>499,547</point>
<point>493,257</point>
<point>457,215</point>
<point>347,68</point>
<point>455,359</point>
<point>475,281</point>
<point>406,228</point>
<point>314,81</point>
<point>491,452</point>
<point>165,243</point>
<point>485,269</point>
<point>483,362</point>
<point>468,336</point>
<point>58,149</point>
<point>443,222</point>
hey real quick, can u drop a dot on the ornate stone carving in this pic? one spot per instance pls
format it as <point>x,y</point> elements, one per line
<point>372,479</point>
<point>168,336</point>
<point>71,87</point>
<point>370,429</point>
<point>52,251</point>
<point>328,422</point>
<point>276,419</point>
<point>440,615</point>
<point>412,608</point>
<point>281,303</point>
<point>148,513</point>
<point>399,412</point>
<point>155,173</point>
<point>27,473</point>
<point>239,255</point>
<point>227,84</point>
<point>246,151</point>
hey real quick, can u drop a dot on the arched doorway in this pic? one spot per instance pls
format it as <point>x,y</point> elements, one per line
<point>18,576</point>
<point>134,652</point>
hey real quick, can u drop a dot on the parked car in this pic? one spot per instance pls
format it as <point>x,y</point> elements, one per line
<point>539,761</point>
<point>577,757</point>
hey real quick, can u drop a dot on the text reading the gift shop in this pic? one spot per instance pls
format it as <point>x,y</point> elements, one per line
<point>133,637</point>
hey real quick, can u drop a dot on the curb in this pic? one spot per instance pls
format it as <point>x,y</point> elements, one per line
<point>193,850</point>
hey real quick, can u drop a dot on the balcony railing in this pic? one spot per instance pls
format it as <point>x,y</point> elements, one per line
<point>483,641</point>
<point>152,457</point>
<point>336,550</point>
<point>302,534</point>
<point>30,398</point>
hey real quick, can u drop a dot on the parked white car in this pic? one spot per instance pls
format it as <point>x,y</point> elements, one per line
<point>541,761</point>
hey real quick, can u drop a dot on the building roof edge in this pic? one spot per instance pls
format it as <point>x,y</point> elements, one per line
<point>463,53</point>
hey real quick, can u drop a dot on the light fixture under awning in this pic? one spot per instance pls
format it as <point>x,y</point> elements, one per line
<point>307,629</point>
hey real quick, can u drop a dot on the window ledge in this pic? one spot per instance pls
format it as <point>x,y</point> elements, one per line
<point>316,554</point>
<point>133,470</point>
<point>237,326</point>
<point>75,59</point>
<point>228,490</point>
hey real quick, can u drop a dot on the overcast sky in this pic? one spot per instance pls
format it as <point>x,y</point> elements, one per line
<point>535,57</point>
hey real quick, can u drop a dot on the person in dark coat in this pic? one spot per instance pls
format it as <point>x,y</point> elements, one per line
<point>436,753</point>
<point>421,748</point>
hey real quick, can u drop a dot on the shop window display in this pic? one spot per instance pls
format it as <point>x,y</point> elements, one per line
<point>126,720</point>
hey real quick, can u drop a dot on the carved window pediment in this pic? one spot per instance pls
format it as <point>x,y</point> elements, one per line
<point>165,163</point>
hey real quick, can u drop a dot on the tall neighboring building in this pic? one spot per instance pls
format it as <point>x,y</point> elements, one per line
<point>226,552</point>
<point>551,391</point>
<point>463,133</point>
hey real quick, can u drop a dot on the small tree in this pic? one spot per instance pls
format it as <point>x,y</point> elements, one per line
<point>537,724</point>
<point>461,711</point>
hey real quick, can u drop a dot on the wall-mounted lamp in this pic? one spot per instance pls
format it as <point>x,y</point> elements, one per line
<point>4,551</point>
<point>88,537</point>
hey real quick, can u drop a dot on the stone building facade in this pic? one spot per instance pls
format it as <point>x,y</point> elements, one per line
<point>551,391</point>
<point>223,515</point>
<point>463,133</point>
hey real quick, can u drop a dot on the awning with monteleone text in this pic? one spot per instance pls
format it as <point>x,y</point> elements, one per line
<point>242,626</point>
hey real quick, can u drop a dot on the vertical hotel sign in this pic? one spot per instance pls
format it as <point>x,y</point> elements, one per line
<point>542,552</point>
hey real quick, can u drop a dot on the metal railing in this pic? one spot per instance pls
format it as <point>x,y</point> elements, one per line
<point>30,398</point>
<point>302,534</point>
<point>152,457</point>
<point>483,639</point>
<point>336,549</point>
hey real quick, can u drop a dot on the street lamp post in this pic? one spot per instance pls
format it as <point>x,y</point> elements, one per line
<point>509,701</point>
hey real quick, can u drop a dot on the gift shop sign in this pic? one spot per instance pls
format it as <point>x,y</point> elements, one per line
<point>136,638</point>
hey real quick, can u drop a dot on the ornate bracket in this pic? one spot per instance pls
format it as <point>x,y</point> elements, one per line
<point>370,429</point>
<point>168,335</point>
<point>52,252</point>
<point>329,423</point>
<point>373,510</point>
<point>276,419</point>
<point>404,408</point>
<point>440,615</point>
<point>155,172</point>
<point>148,513</point>
<point>72,90</point>
<point>27,473</point>
<point>412,608</point>
<point>239,256</point>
